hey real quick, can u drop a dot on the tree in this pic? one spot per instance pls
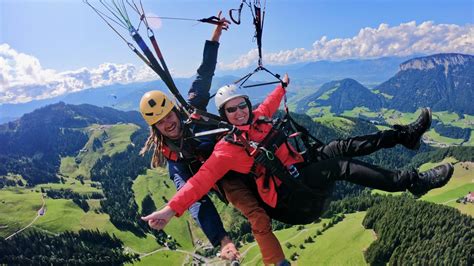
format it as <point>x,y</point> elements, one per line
<point>148,205</point>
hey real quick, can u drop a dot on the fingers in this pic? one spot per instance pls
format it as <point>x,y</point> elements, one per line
<point>156,220</point>
<point>230,255</point>
<point>157,224</point>
<point>147,218</point>
<point>230,252</point>
<point>223,22</point>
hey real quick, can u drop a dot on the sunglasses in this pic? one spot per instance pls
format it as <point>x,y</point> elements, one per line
<point>233,109</point>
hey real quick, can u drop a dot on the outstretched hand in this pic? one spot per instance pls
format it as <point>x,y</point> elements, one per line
<point>228,250</point>
<point>159,219</point>
<point>223,24</point>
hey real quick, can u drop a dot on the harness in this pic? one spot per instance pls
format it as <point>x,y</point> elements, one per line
<point>264,152</point>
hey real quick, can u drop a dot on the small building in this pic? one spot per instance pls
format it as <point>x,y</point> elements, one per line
<point>469,197</point>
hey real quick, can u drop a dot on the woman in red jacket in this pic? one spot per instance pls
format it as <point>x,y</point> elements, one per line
<point>327,164</point>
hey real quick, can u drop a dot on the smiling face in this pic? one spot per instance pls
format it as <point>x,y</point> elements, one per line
<point>170,126</point>
<point>237,111</point>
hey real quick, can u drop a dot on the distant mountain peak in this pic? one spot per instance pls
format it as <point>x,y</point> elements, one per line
<point>433,61</point>
<point>341,95</point>
<point>443,82</point>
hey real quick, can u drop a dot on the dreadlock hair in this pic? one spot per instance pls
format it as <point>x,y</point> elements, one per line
<point>155,139</point>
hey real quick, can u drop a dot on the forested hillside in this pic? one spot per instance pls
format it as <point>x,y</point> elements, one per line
<point>97,180</point>
<point>413,232</point>
<point>32,146</point>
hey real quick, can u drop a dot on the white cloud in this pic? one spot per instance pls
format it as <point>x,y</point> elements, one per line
<point>154,21</point>
<point>402,40</point>
<point>22,78</point>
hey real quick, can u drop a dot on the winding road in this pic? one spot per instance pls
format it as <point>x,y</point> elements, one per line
<point>40,213</point>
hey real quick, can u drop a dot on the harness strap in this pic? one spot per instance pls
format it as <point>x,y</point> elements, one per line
<point>276,168</point>
<point>263,154</point>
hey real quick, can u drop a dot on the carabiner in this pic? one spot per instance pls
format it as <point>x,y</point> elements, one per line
<point>268,153</point>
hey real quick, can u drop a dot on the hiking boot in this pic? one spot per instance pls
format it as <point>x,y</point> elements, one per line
<point>433,178</point>
<point>410,135</point>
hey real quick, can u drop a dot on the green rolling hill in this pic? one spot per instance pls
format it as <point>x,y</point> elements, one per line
<point>341,244</point>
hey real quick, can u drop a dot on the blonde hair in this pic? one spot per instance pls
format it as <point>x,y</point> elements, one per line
<point>155,139</point>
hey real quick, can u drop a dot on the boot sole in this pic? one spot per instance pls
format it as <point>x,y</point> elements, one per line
<point>449,175</point>
<point>445,181</point>
<point>418,144</point>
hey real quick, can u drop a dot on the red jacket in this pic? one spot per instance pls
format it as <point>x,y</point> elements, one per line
<point>227,156</point>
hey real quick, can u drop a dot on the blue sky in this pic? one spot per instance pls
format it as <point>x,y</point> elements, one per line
<point>65,36</point>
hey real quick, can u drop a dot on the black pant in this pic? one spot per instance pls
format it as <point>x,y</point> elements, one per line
<point>333,161</point>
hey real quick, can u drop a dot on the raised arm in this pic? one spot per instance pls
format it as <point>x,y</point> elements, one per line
<point>198,95</point>
<point>270,105</point>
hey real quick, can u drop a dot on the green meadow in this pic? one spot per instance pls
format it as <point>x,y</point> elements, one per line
<point>113,139</point>
<point>460,184</point>
<point>337,123</point>
<point>15,216</point>
<point>165,257</point>
<point>342,244</point>
<point>159,186</point>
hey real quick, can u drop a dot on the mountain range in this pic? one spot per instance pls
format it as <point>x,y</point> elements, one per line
<point>303,75</point>
<point>444,82</point>
<point>32,146</point>
<point>55,144</point>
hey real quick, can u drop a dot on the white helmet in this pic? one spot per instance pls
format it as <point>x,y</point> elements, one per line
<point>227,93</point>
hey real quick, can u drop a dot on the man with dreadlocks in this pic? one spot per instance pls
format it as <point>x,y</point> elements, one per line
<point>184,156</point>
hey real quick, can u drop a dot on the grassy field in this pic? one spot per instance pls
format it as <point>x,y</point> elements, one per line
<point>460,184</point>
<point>61,215</point>
<point>113,139</point>
<point>337,123</point>
<point>327,94</point>
<point>319,111</point>
<point>342,244</point>
<point>13,215</point>
<point>163,258</point>
<point>434,136</point>
<point>157,183</point>
<point>72,184</point>
<point>360,111</point>
<point>387,96</point>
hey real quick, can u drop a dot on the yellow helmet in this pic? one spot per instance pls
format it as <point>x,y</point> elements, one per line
<point>155,105</point>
